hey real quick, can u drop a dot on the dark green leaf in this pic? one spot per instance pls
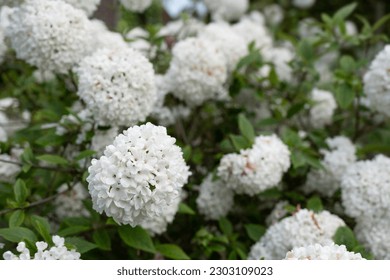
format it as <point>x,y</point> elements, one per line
<point>344,96</point>
<point>315,204</point>
<point>185,209</point>
<point>102,239</point>
<point>381,22</point>
<point>16,219</point>
<point>345,236</point>
<point>20,191</point>
<point>18,234</point>
<point>82,246</point>
<point>306,50</point>
<point>225,226</point>
<point>240,142</point>
<point>53,159</point>
<point>348,64</point>
<point>137,238</point>
<point>246,128</point>
<point>344,12</point>
<point>72,230</point>
<point>255,232</point>
<point>172,251</point>
<point>84,154</point>
<point>42,226</point>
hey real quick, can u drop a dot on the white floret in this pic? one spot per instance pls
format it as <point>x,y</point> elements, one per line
<point>138,6</point>
<point>341,155</point>
<point>322,252</point>
<point>9,165</point>
<point>227,9</point>
<point>49,34</point>
<point>303,228</point>
<point>198,71</point>
<point>140,175</point>
<point>118,86</point>
<point>214,200</point>
<point>365,188</point>
<point>377,82</point>
<point>321,113</point>
<point>257,169</point>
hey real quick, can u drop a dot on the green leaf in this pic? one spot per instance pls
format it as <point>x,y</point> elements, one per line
<point>73,230</point>
<point>246,128</point>
<point>380,22</point>
<point>306,50</point>
<point>348,64</point>
<point>298,159</point>
<point>51,139</point>
<point>137,238</point>
<point>240,142</point>
<point>255,232</point>
<point>42,226</point>
<point>84,154</point>
<point>344,96</point>
<point>344,12</point>
<point>18,234</point>
<point>102,239</point>
<point>345,236</point>
<point>27,156</point>
<point>185,209</point>
<point>187,151</point>
<point>295,109</point>
<point>20,191</point>
<point>253,57</point>
<point>172,251</point>
<point>53,159</point>
<point>82,246</point>
<point>225,226</point>
<point>315,204</point>
<point>16,219</point>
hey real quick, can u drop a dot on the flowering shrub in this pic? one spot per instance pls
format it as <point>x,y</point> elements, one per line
<point>237,130</point>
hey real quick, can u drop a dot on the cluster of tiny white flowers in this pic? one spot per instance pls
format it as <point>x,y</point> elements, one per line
<point>308,28</point>
<point>69,203</point>
<point>139,177</point>
<point>136,5</point>
<point>337,159</point>
<point>56,252</point>
<point>303,228</point>
<point>321,113</point>
<point>377,82</point>
<point>49,34</point>
<point>227,9</point>
<point>274,14</point>
<point>88,6</point>
<point>215,200</point>
<point>118,86</point>
<point>365,188</point>
<point>322,252</point>
<point>198,71</point>
<point>229,42</point>
<point>373,233</point>
<point>8,171</point>
<point>280,57</point>
<point>102,138</point>
<point>257,169</point>
<point>104,38</point>
<point>253,31</point>
<point>303,4</point>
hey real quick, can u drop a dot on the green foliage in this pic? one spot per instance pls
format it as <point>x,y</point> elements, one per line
<point>137,238</point>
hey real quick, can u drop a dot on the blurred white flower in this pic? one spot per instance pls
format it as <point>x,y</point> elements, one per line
<point>274,14</point>
<point>138,6</point>
<point>303,4</point>
<point>69,203</point>
<point>322,252</point>
<point>227,9</point>
<point>321,113</point>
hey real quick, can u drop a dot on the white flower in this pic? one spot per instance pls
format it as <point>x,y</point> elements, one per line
<point>365,188</point>
<point>302,229</point>
<point>215,200</point>
<point>377,82</point>
<point>182,28</point>
<point>321,113</point>
<point>88,6</point>
<point>274,14</point>
<point>118,86</point>
<point>197,72</point>
<point>337,159</point>
<point>227,9</point>
<point>253,31</point>
<point>280,57</point>
<point>322,252</point>
<point>42,76</point>
<point>9,171</point>
<point>257,169</point>
<point>56,252</point>
<point>139,177</point>
<point>102,138</point>
<point>69,203</point>
<point>303,4</point>
<point>230,43</point>
<point>138,41</point>
<point>3,46</point>
<point>104,38</point>
<point>49,34</point>
<point>308,28</point>
<point>373,233</point>
<point>138,6</point>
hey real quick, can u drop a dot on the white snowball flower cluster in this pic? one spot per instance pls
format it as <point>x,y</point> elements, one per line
<point>56,252</point>
<point>118,86</point>
<point>88,6</point>
<point>215,200</point>
<point>227,9</point>
<point>49,34</point>
<point>253,31</point>
<point>341,154</point>
<point>137,6</point>
<point>303,4</point>
<point>373,233</point>
<point>308,28</point>
<point>257,169</point>
<point>302,229</point>
<point>138,41</point>
<point>8,169</point>
<point>230,43</point>
<point>274,14</point>
<point>365,188</point>
<point>104,38</point>
<point>198,71</point>
<point>321,113</point>
<point>323,252</point>
<point>280,57</point>
<point>377,82</point>
<point>139,177</point>
<point>69,203</point>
